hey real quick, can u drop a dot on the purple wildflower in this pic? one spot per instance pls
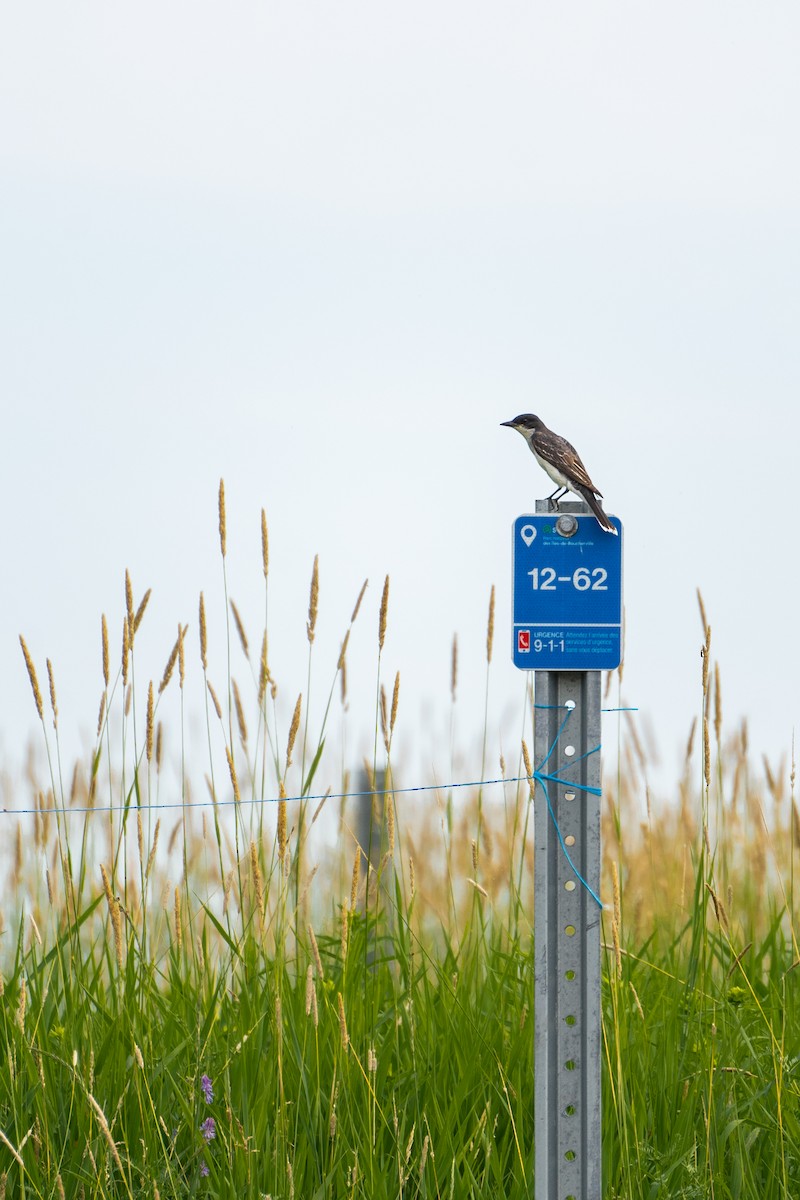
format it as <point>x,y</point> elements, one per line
<point>209,1129</point>
<point>204,1169</point>
<point>208,1088</point>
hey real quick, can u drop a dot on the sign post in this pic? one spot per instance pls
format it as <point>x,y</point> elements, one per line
<point>567,628</point>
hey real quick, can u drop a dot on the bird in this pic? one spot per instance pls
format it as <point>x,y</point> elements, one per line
<point>562,463</point>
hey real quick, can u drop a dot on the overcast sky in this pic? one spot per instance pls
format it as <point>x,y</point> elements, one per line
<point>323,251</point>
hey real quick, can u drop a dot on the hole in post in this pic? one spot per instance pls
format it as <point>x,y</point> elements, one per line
<point>570,1155</point>
<point>570,1110</point>
<point>570,1064</point>
<point>569,751</point>
<point>570,1020</point>
<point>569,795</point>
<point>569,840</point>
<point>569,975</point>
<point>569,930</point>
<point>569,886</point>
<point>569,704</point>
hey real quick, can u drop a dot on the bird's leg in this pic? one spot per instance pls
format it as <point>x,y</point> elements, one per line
<point>554,498</point>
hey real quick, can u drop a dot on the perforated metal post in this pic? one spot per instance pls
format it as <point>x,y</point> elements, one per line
<point>567,935</point>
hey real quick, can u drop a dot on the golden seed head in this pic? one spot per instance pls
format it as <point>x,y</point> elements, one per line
<point>138,1055</point>
<point>411,881</point>
<point>490,627</point>
<point>181,655</point>
<point>358,601</point>
<point>203,634</point>
<point>383,614</point>
<point>223,539</point>
<point>343,682</point>
<point>240,718</point>
<point>137,620</point>
<point>390,825</point>
<point>150,719</point>
<point>474,845</point>
<point>526,758</point>
<point>395,701</point>
<point>52,682</point>
<point>129,605</point>
<point>237,620</point>
<point>706,753</point>
<point>313,600</point>
<point>702,607</point>
<point>343,651</point>
<point>104,632</point>
<point>281,831</point>
<point>344,931</point>
<point>263,671</point>
<point>126,646</point>
<point>356,879</point>
<point>215,699</point>
<point>152,855</point>
<point>342,1021</point>
<point>309,988</point>
<point>315,953</point>
<point>264,544</point>
<point>37,695</point>
<point>293,728</point>
<point>384,718</point>
<point>234,780</point>
<point>258,879</point>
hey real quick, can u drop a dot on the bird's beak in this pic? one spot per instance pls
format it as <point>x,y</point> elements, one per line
<point>509,423</point>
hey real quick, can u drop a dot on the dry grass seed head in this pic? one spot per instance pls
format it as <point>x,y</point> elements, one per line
<point>526,758</point>
<point>342,1022</point>
<point>237,620</point>
<point>203,634</point>
<point>240,718</point>
<point>101,714</point>
<point>383,614</point>
<point>454,668</point>
<point>234,779</point>
<point>52,682</point>
<point>150,721</point>
<point>170,667</point>
<point>293,728</point>
<point>264,544</point>
<point>37,695</point>
<point>223,536</point>
<point>137,620</point>
<point>490,627</point>
<point>313,600</point>
<point>395,702</point>
<point>215,699</point>
<point>358,601</point>
<point>355,880</point>
<point>129,606</point>
<point>281,831</point>
<point>126,646</point>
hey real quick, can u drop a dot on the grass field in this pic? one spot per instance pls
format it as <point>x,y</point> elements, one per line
<point>183,1011</point>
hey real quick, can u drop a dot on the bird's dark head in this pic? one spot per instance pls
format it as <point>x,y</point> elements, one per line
<point>524,423</point>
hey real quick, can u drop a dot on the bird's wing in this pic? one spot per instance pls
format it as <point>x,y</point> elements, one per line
<point>558,451</point>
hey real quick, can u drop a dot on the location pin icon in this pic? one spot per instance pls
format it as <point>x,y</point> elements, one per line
<point>527,533</point>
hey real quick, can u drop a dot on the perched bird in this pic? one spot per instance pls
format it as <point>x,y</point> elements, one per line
<point>562,463</point>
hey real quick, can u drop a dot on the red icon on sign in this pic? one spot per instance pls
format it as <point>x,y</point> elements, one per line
<point>524,639</point>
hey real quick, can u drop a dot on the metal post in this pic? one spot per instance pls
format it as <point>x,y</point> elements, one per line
<point>567,934</point>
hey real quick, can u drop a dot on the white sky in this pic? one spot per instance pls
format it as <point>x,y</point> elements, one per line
<point>322,251</point>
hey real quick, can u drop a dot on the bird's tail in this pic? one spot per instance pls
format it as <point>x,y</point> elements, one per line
<point>595,506</point>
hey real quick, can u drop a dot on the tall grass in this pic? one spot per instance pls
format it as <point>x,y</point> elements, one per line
<point>212,999</point>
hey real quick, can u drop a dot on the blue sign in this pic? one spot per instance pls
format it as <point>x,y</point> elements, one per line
<point>567,593</point>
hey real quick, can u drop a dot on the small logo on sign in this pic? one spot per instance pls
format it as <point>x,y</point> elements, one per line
<point>523,639</point>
